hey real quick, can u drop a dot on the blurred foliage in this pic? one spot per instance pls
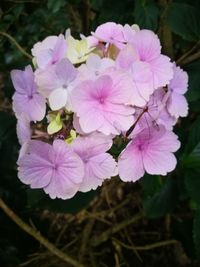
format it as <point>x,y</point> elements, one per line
<point>29,21</point>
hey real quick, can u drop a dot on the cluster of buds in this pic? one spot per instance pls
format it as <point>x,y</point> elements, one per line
<point>82,96</point>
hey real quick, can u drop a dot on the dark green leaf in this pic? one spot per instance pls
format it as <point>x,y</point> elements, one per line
<point>182,231</point>
<point>146,14</point>
<point>150,184</point>
<point>194,136</point>
<point>196,232</point>
<point>162,201</point>
<point>55,6</point>
<point>184,20</point>
<point>193,92</point>
<point>192,182</point>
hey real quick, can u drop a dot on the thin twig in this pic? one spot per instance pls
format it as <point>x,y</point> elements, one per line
<point>96,241</point>
<point>149,246</point>
<point>21,49</point>
<point>36,235</point>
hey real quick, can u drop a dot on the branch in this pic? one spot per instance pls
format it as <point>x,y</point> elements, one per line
<point>190,59</point>
<point>96,241</point>
<point>35,234</point>
<point>21,49</point>
<point>181,59</point>
<point>164,30</point>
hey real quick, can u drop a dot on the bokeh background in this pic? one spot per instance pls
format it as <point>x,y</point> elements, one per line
<point>153,222</point>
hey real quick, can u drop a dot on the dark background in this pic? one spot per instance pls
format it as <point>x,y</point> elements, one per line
<point>169,206</point>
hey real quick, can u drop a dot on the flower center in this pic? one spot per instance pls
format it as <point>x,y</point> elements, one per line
<point>64,86</point>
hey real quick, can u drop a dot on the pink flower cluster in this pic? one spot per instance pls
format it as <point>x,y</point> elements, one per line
<point>85,95</point>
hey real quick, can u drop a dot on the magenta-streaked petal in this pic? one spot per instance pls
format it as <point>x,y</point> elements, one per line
<point>147,45</point>
<point>130,164</point>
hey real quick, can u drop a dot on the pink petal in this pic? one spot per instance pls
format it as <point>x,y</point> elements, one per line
<point>147,44</point>
<point>130,164</point>
<point>97,169</point>
<point>162,71</point>
<point>158,162</point>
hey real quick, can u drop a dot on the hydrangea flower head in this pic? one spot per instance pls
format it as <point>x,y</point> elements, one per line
<point>114,87</point>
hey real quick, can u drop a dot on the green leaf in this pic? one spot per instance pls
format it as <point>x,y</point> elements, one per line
<point>7,124</point>
<point>192,182</point>
<point>146,14</point>
<point>184,20</point>
<point>150,184</point>
<point>38,199</point>
<point>193,92</point>
<point>55,6</point>
<point>196,232</point>
<point>182,229</point>
<point>162,201</point>
<point>194,136</point>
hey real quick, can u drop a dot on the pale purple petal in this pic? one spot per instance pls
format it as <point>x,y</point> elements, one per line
<point>55,168</point>
<point>179,82</point>
<point>34,106</point>
<point>23,81</point>
<point>177,105</point>
<point>23,129</point>
<point>34,169</point>
<point>58,99</point>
